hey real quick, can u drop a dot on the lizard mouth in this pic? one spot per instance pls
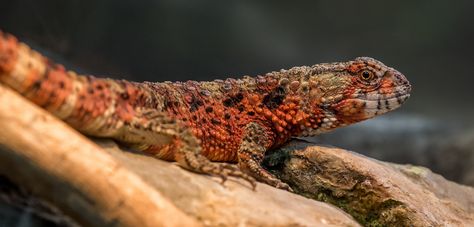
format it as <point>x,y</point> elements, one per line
<point>384,104</point>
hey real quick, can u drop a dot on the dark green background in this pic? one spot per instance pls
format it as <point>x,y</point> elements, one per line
<point>431,42</point>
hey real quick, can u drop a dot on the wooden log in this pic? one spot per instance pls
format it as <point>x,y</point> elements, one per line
<point>45,155</point>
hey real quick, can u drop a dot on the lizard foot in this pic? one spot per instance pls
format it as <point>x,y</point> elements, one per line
<point>225,170</point>
<point>251,154</point>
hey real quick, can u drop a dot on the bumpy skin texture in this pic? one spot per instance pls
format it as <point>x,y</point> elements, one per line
<point>194,123</point>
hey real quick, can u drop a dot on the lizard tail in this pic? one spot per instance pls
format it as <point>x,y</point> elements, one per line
<point>85,102</point>
<point>34,76</point>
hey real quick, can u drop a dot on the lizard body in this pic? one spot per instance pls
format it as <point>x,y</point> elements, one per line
<point>196,123</point>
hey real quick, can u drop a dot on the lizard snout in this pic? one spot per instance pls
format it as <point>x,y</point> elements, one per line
<point>401,84</point>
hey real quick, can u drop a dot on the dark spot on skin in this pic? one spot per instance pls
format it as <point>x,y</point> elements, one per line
<point>36,85</point>
<point>239,97</point>
<point>227,102</point>
<point>227,116</point>
<point>275,98</point>
<point>99,87</point>
<point>90,90</point>
<point>141,97</point>
<point>399,101</point>
<point>195,104</point>
<point>241,108</point>
<point>192,108</point>
<point>251,113</point>
<point>306,77</point>
<point>61,84</point>
<point>194,118</point>
<point>209,109</point>
<point>204,121</point>
<point>233,100</point>
<point>184,119</point>
<point>124,96</point>
<point>216,122</point>
<point>168,104</point>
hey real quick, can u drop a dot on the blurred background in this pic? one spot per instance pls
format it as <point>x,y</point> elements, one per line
<point>431,42</point>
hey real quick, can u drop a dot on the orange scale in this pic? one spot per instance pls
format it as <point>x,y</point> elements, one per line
<point>218,136</point>
<point>279,128</point>
<point>211,148</point>
<point>198,133</point>
<point>299,118</point>
<point>253,99</point>
<point>275,119</point>
<point>219,112</point>
<point>268,113</point>
<point>280,113</point>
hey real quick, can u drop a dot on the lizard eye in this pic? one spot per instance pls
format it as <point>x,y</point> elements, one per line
<point>366,75</point>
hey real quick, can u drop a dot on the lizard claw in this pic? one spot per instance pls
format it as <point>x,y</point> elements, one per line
<point>225,170</point>
<point>284,186</point>
<point>234,171</point>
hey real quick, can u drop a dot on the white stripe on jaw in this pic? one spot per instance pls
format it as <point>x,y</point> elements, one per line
<point>377,107</point>
<point>370,104</point>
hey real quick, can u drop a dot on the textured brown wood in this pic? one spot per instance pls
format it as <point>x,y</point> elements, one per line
<point>45,155</point>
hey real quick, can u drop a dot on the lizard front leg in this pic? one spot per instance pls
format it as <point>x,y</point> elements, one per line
<point>250,155</point>
<point>152,129</point>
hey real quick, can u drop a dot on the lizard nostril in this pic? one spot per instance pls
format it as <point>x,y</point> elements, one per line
<point>401,80</point>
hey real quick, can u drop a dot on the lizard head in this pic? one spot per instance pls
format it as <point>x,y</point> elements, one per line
<point>356,90</point>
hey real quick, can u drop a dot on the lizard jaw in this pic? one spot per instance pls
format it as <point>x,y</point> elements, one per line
<point>383,105</point>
